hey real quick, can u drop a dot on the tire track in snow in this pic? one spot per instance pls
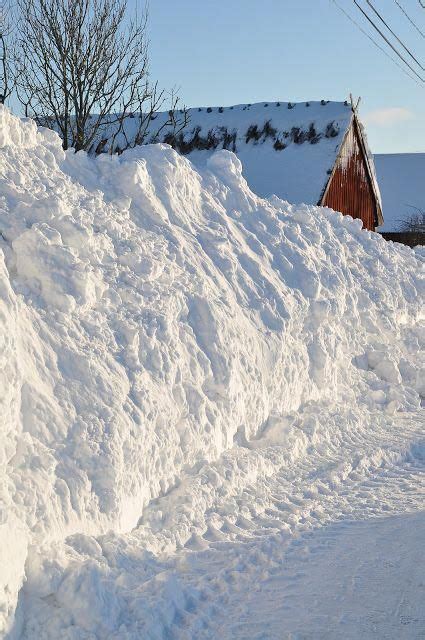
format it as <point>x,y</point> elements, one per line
<point>200,572</point>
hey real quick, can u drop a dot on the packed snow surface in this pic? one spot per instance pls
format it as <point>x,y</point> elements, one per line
<point>401,179</point>
<point>211,406</point>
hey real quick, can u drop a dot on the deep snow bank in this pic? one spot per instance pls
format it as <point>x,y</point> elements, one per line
<point>152,317</point>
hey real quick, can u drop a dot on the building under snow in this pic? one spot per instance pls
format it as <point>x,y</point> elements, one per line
<point>309,152</point>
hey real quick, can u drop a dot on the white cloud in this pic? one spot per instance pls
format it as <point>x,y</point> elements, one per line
<point>387,117</point>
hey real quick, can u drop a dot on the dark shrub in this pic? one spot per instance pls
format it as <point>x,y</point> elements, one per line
<point>298,135</point>
<point>312,136</point>
<point>268,130</point>
<point>331,130</point>
<point>252,133</point>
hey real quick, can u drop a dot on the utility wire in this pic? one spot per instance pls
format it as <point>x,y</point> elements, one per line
<point>375,43</point>
<point>395,35</point>
<point>409,18</point>
<point>387,41</point>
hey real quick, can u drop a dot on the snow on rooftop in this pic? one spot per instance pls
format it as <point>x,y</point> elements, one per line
<point>401,177</point>
<point>286,148</point>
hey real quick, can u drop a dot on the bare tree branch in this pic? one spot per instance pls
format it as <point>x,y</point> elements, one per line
<point>83,69</point>
<point>415,222</point>
<point>6,71</point>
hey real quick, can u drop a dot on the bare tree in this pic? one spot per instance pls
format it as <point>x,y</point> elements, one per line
<point>6,74</point>
<point>415,221</point>
<point>82,69</point>
<point>146,106</point>
<point>414,224</point>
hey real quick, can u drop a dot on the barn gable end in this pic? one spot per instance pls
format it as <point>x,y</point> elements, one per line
<point>351,188</point>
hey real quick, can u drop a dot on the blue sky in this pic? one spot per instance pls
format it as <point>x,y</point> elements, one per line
<point>222,52</point>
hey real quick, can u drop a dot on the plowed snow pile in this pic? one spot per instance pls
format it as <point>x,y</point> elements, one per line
<point>197,386</point>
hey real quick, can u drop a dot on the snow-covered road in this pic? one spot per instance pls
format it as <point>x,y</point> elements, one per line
<point>327,543</point>
<point>347,580</point>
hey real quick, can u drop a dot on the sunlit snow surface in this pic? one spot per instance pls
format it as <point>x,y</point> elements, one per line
<point>210,406</point>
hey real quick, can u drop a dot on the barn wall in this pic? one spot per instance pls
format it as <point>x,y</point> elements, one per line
<point>350,190</point>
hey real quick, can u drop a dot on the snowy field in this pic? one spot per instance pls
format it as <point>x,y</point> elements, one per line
<point>401,180</point>
<point>210,416</point>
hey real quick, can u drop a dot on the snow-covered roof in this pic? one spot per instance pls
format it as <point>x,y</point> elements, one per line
<point>402,181</point>
<point>287,149</point>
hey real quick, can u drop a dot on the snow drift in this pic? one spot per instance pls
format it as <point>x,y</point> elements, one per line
<point>154,318</point>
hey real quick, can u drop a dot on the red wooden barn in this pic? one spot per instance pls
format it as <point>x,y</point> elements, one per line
<point>310,152</point>
<point>352,188</point>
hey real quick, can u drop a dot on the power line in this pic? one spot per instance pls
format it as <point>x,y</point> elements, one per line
<point>388,42</point>
<point>410,19</point>
<point>395,35</point>
<point>375,43</point>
